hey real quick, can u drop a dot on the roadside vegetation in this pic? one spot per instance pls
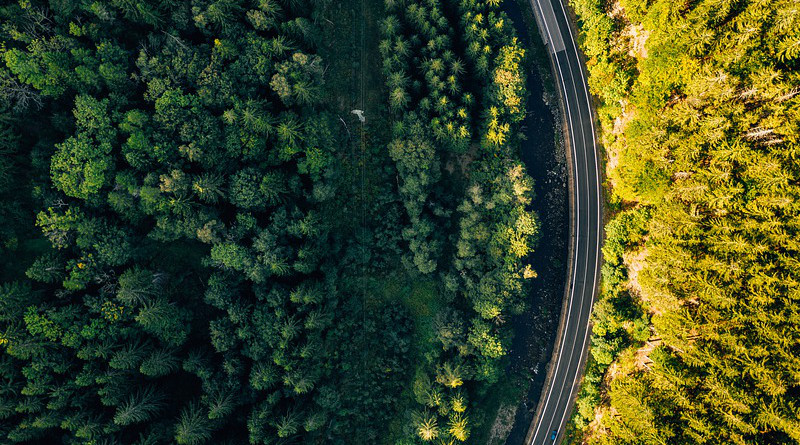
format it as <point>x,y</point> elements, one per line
<point>696,331</point>
<point>456,92</point>
<point>200,243</point>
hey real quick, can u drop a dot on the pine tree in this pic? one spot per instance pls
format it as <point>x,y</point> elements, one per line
<point>194,426</point>
<point>139,407</point>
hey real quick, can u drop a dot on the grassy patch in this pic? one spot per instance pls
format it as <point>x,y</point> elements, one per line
<point>423,301</point>
<point>420,296</point>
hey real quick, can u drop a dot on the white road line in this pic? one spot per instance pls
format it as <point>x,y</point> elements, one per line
<point>577,210</point>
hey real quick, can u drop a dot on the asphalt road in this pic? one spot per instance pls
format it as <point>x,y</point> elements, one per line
<point>570,351</point>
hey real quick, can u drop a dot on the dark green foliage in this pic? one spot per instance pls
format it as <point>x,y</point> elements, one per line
<point>139,407</point>
<point>194,426</point>
<point>179,258</point>
<point>162,132</point>
<point>160,362</point>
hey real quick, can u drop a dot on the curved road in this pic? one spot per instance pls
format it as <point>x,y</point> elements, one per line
<point>569,353</point>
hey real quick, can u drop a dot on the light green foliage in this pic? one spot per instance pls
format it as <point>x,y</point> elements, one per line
<point>82,163</point>
<point>699,112</point>
<point>298,80</point>
<point>481,338</point>
<point>38,324</point>
<point>46,65</point>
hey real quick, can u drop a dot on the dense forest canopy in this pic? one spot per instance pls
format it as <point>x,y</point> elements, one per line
<point>697,334</point>
<point>201,244</point>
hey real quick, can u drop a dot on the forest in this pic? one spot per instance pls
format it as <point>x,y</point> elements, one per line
<point>696,336</point>
<point>201,244</point>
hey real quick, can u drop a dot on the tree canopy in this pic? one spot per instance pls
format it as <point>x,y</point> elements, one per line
<point>697,331</point>
<point>200,244</point>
